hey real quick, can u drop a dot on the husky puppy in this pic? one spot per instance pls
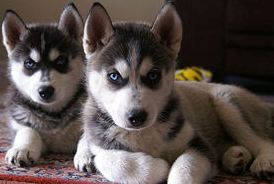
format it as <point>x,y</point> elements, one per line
<point>142,127</point>
<point>46,63</point>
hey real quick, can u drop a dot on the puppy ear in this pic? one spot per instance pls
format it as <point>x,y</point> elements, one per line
<point>98,29</point>
<point>13,30</point>
<point>71,22</point>
<point>167,28</point>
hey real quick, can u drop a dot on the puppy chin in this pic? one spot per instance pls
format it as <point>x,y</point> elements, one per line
<point>48,103</point>
<point>51,104</point>
<point>130,127</point>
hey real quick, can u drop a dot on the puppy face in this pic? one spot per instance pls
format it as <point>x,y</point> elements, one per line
<point>132,86</point>
<point>45,61</point>
<point>130,70</point>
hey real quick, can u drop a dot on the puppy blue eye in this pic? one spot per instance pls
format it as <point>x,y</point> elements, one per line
<point>61,60</point>
<point>114,76</point>
<point>154,75</point>
<point>116,79</point>
<point>30,64</point>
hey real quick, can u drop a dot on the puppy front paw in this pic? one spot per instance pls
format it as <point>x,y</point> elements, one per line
<point>84,162</point>
<point>22,157</point>
<point>263,166</point>
<point>236,159</point>
<point>132,168</point>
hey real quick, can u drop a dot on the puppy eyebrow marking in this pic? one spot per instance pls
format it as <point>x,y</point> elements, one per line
<point>35,55</point>
<point>53,54</point>
<point>122,67</point>
<point>146,66</point>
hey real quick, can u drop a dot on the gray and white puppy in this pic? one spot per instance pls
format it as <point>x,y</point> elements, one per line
<point>142,127</point>
<point>46,70</point>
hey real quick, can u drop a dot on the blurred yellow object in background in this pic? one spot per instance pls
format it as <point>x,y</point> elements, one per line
<point>193,74</point>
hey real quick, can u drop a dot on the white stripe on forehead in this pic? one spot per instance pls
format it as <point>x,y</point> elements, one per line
<point>146,66</point>
<point>53,54</point>
<point>35,55</point>
<point>122,67</point>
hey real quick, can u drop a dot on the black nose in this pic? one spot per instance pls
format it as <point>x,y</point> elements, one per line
<point>46,92</point>
<point>137,117</point>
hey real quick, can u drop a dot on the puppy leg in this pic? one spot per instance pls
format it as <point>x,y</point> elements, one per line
<point>191,167</point>
<point>26,149</point>
<point>236,159</point>
<point>263,165</point>
<point>261,148</point>
<point>83,159</point>
<point>132,168</point>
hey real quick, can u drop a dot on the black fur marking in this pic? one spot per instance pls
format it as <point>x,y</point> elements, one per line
<point>61,64</point>
<point>152,79</point>
<point>197,143</point>
<point>100,124</point>
<point>149,83</point>
<point>170,107</point>
<point>104,122</point>
<point>115,87</point>
<point>31,114</point>
<point>174,130</point>
<point>90,167</point>
<point>29,72</point>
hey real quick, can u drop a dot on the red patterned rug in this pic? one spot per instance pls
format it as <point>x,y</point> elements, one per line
<point>54,169</point>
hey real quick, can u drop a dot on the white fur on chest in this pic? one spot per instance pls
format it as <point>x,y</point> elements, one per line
<point>59,140</point>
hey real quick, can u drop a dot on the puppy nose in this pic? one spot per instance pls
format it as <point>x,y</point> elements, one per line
<point>137,117</point>
<point>46,92</point>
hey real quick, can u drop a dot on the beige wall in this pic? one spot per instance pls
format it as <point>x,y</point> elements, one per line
<point>49,10</point>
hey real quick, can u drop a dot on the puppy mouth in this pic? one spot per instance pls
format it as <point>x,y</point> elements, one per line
<point>134,128</point>
<point>43,102</point>
<point>50,101</point>
<point>148,123</point>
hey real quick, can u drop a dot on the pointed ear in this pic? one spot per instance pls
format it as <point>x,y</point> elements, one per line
<point>98,29</point>
<point>167,28</point>
<point>13,30</point>
<point>71,22</point>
